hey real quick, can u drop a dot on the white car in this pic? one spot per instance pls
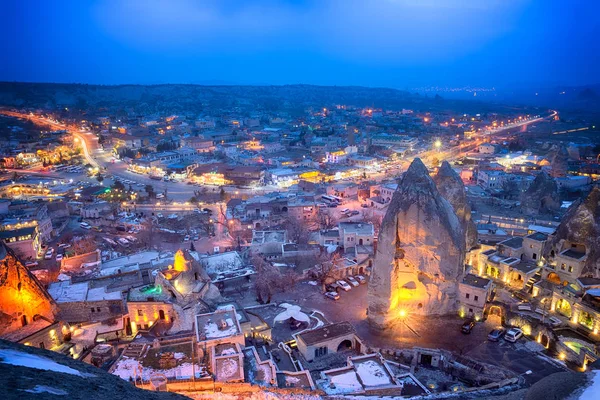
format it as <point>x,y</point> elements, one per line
<point>513,335</point>
<point>344,285</point>
<point>345,210</point>
<point>361,279</point>
<point>49,254</point>
<point>352,281</point>
<point>186,238</point>
<point>59,257</point>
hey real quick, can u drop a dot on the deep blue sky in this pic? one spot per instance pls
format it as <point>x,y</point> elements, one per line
<point>394,43</point>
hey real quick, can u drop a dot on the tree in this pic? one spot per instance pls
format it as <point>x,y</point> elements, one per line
<point>327,219</point>
<point>297,231</point>
<point>118,185</point>
<point>192,247</point>
<point>84,245</point>
<point>150,190</point>
<point>268,280</point>
<point>324,271</point>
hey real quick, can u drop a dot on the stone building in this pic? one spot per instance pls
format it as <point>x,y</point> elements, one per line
<point>573,251</point>
<point>327,339</point>
<point>474,293</point>
<point>81,302</point>
<point>420,255</point>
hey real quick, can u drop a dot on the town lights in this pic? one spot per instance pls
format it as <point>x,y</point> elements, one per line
<point>437,144</point>
<point>402,313</point>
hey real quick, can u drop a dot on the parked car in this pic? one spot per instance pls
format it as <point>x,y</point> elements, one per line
<point>186,238</point>
<point>467,326</point>
<point>59,257</point>
<point>361,279</point>
<point>345,210</point>
<point>513,335</point>
<point>85,225</point>
<point>333,287</point>
<point>207,210</point>
<point>352,281</point>
<point>496,334</point>
<point>31,264</point>
<point>332,295</point>
<point>64,246</point>
<point>354,212</point>
<point>332,205</point>
<point>49,254</point>
<point>344,285</point>
<point>364,205</point>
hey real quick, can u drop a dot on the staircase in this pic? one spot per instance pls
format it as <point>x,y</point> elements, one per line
<point>134,350</point>
<point>533,280</point>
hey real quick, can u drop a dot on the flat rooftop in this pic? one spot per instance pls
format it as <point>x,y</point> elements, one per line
<point>326,332</point>
<point>476,281</point>
<point>513,243</point>
<point>217,325</point>
<point>360,228</point>
<point>574,254</point>
<point>538,236</point>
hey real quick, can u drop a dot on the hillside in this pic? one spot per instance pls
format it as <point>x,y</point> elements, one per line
<point>48,375</point>
<point>177,98</point>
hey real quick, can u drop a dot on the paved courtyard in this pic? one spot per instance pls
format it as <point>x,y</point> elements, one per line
<point>437,332</point>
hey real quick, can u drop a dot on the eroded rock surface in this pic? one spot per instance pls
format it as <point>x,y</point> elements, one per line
<point>420,253</point>
<point>580,226</point>
<point>541,197</point>
<point>452,188</point>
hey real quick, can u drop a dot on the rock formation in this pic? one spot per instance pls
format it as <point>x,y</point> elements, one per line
<point>559,161</point>
<point>541,197</point>
<point>420,253</point>
<point>452,188</point>
<point>23,299</point>
<point>580,226</point>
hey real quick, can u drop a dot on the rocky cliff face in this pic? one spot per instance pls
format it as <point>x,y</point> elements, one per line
<point>559,161</point>
<point>49,375</point>
<point>22,296</point>
<point>420,253</point>
<point>581,225</point>
<point>452,188</point>
<point>541,197</point>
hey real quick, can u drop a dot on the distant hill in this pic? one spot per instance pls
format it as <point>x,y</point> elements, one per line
<point>50,375</point>
<point>176,98</point>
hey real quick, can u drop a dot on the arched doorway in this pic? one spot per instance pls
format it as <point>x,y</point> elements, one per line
<point>344,345</point>
<point>360,242</point>
<point>563,307</point>
<point>554,278</point>
<point>161,314</point>
<point>495,314</point>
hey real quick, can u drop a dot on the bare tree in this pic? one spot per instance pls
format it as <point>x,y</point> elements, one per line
<point>371,217</point>
<point>327,219</point>
<point>84,245</point>
<point>269,280</point>
<point>297,231</point>
<point>325,269</point>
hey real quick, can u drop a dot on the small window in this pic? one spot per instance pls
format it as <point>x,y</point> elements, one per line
<point>97,309</point>
<point>476,298</point>
<point>467,295</point>
<point>534,256</point>
<point>570,268</point>
<point>563,266</point>
<point>93,309</point>
<point>140,313</point>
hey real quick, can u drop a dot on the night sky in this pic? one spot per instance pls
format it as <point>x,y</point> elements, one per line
<point>393,43</point>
